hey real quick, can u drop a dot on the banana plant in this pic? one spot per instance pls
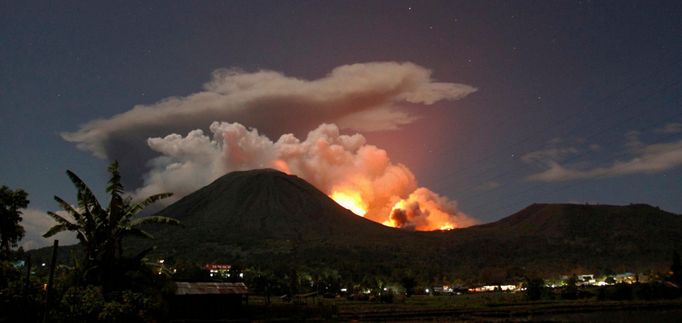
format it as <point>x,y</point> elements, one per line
<point>100,230</point>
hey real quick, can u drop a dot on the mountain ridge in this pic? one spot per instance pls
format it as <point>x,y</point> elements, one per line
<point>269,219</point>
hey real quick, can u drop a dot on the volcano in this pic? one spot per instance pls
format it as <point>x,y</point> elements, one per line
<point>269,218</point>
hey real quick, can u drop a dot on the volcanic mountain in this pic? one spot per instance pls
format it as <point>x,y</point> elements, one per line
<point>268,218</point>
<point>551,239</point>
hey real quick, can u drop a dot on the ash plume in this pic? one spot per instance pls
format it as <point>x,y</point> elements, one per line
<point>331,161</point>
<point>363,97</point>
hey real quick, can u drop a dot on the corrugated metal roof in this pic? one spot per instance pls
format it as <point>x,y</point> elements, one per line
<point>204,288</point>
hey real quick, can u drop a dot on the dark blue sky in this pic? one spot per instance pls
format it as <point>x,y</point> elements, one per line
<point>568,80</point>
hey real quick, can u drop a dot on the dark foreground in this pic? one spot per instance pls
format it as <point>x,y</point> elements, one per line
<point>489,307</point>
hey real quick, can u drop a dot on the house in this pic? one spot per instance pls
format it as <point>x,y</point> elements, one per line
<point>207,300</point>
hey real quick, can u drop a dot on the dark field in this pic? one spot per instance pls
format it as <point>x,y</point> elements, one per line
<point>487,307</point>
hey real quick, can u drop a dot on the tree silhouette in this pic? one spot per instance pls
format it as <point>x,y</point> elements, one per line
<point>409,282</point>
<point>11,203</point>
<point>535,287</point>
<point>100,230</point>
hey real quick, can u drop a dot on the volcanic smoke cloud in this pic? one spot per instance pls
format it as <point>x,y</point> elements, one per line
<point>362,97</point>
<point>359,176</point>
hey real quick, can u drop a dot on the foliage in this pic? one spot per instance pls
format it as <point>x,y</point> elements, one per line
<point>20,301</point>
<point>571,289</point>
<point>265,282</point>
<point>11,203</point>
<point>89,304</point>
<point>8,274</point>
<point>100,230</point>
<point>409,283</point>
<point>656,290</point>
<point>535,288</point>
<point>639,291</point>
<point>107,285</point>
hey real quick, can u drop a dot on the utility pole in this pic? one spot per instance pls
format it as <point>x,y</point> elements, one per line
<point>50,281</point>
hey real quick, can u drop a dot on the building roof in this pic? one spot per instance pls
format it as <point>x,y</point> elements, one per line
<point>206,288</point>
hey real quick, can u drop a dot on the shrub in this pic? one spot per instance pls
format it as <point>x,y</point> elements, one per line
<point>535,288</point>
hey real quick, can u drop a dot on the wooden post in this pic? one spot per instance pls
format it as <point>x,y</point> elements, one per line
<point>50,281</point>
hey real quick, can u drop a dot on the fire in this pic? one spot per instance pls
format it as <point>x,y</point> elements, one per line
<point>422,210</point>
<point>350,200</point>
<point>447,226</point>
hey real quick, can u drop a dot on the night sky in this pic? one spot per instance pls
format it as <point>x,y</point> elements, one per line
<point>575,101</point>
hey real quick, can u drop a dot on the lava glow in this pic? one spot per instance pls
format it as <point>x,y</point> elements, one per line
<point>353,201</point>
<point>350,200</point>
<point>447,226</point>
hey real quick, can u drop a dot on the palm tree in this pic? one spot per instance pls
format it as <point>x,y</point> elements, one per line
<point>101,230</point>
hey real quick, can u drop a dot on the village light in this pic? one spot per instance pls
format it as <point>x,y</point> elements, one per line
<point>241,275</point>
<point>161,261</point>
<point>426,290</point>
<point>43,264</point>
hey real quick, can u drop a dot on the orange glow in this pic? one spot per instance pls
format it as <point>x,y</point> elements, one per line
<point>447,226</point>
<point>281,166</point>
<point>390,222</point>
<point>422,210</point>
<point>350,200</point>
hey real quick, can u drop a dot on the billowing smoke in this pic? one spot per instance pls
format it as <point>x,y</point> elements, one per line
<point>364,97</point>
<point>426,210</point>
<point>359,176</point>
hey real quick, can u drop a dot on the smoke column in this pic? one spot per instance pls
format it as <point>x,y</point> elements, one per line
<point>359,176</point>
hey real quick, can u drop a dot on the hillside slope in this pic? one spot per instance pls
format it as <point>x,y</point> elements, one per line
<point>564,238</point>
<point>266,217</point>
<point>270,219</point>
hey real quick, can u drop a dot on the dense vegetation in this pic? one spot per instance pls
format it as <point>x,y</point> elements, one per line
<point>11,203</point>
<point>101,284</point>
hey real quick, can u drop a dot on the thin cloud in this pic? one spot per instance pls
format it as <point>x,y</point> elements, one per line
<point>36,222</point>
<point>488,186</point>
<point>644,159</point>
<point>670,128</point>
